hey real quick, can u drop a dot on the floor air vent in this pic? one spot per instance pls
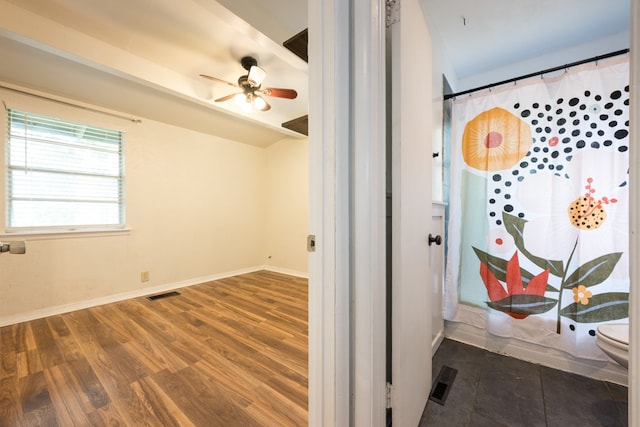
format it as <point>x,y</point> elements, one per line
<point>442,384</point>
<point>164,295</point>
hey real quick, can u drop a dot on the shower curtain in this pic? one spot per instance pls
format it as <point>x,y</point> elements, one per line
<point>538,228</point>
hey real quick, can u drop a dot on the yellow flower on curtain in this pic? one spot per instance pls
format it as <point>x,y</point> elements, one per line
<point>495,140</point>
<point>587,213</point>
<point>581,294</point>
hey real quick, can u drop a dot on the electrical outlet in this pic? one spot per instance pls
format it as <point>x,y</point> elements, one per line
<point>144,276</point>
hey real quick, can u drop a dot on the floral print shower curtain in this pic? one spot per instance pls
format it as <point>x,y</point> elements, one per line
<point>538,228</point>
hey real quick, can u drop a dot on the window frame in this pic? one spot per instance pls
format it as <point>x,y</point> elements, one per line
<point>68,230</point>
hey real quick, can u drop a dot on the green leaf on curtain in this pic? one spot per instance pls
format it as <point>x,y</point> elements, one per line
<point>601,307</point>
<point>593,272</point>
<point>498,268</point>
<point>523,304</point>
<point>515,227</point>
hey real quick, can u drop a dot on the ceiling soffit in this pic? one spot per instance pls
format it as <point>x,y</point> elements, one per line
<point>162,59</point>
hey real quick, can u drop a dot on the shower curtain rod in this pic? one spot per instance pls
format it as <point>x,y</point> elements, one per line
<point>549,70</point>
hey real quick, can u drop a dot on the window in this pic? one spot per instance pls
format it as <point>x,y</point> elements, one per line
<point>62,175</point>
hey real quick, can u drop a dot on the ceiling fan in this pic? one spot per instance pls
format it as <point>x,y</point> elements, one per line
<point>251,97</point>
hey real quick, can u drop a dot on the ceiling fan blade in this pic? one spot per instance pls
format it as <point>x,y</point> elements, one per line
<point>215,79</point>
<point>227,97</point>
<point>280,93</point>
<point>266,107</point>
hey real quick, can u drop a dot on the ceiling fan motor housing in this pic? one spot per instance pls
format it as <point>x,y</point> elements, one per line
<point>245,84</point>
<point>247,62</point>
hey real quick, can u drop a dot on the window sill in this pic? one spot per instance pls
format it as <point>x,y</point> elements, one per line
<point>66,234</point>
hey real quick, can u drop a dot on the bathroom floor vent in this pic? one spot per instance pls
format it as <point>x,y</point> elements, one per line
<point>164,295</point>
<point>442,384</point>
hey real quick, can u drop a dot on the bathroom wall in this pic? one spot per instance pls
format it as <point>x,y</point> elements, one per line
<point>550,60</point>
<point>441,67</point>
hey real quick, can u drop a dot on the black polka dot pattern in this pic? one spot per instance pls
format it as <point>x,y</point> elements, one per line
<point>590,332</point>
<point>560,129</point>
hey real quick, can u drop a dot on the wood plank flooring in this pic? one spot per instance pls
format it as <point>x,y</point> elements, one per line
<point>231,352</point>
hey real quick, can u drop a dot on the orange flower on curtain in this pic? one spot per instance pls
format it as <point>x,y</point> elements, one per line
<point>495,140</point>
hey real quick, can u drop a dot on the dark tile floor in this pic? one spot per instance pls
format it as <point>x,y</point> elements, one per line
<point>491,390</point>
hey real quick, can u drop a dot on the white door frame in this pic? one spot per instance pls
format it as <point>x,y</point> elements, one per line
<point>329,319</point>
<point>347,213</point>
<point>368,199</point>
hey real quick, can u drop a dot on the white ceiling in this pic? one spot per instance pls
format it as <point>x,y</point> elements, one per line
<point>484,39</point>
<point>143,57</point>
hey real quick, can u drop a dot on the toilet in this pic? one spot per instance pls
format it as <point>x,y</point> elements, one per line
<point>613,339</point>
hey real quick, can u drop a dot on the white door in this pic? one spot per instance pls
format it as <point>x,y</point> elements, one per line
<point>436,263</point>
<point>411,115</point>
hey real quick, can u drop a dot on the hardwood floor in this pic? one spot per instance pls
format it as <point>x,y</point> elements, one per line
<point>232,352</point>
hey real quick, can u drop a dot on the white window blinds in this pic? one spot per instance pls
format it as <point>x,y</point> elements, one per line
<point>62,175</point>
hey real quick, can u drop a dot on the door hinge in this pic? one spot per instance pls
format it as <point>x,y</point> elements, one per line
<point>389,388</point>
<point>392,12</point>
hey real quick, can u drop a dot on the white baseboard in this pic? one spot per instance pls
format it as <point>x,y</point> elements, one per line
<point>436,341</point>
<point>66,308</point>
<point>604,371</point>
<point>286,271</point>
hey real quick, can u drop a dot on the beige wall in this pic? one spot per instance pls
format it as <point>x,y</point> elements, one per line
<point>287,190</point>
<point>199,207</point>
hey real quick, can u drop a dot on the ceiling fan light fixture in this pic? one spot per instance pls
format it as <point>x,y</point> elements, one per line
<point>240,98</point>
<point>256,76</point>
<point>259,103</point>
<point>244,100</point>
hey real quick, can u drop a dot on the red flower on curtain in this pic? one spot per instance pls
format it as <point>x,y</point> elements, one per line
<point>518,301</point>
